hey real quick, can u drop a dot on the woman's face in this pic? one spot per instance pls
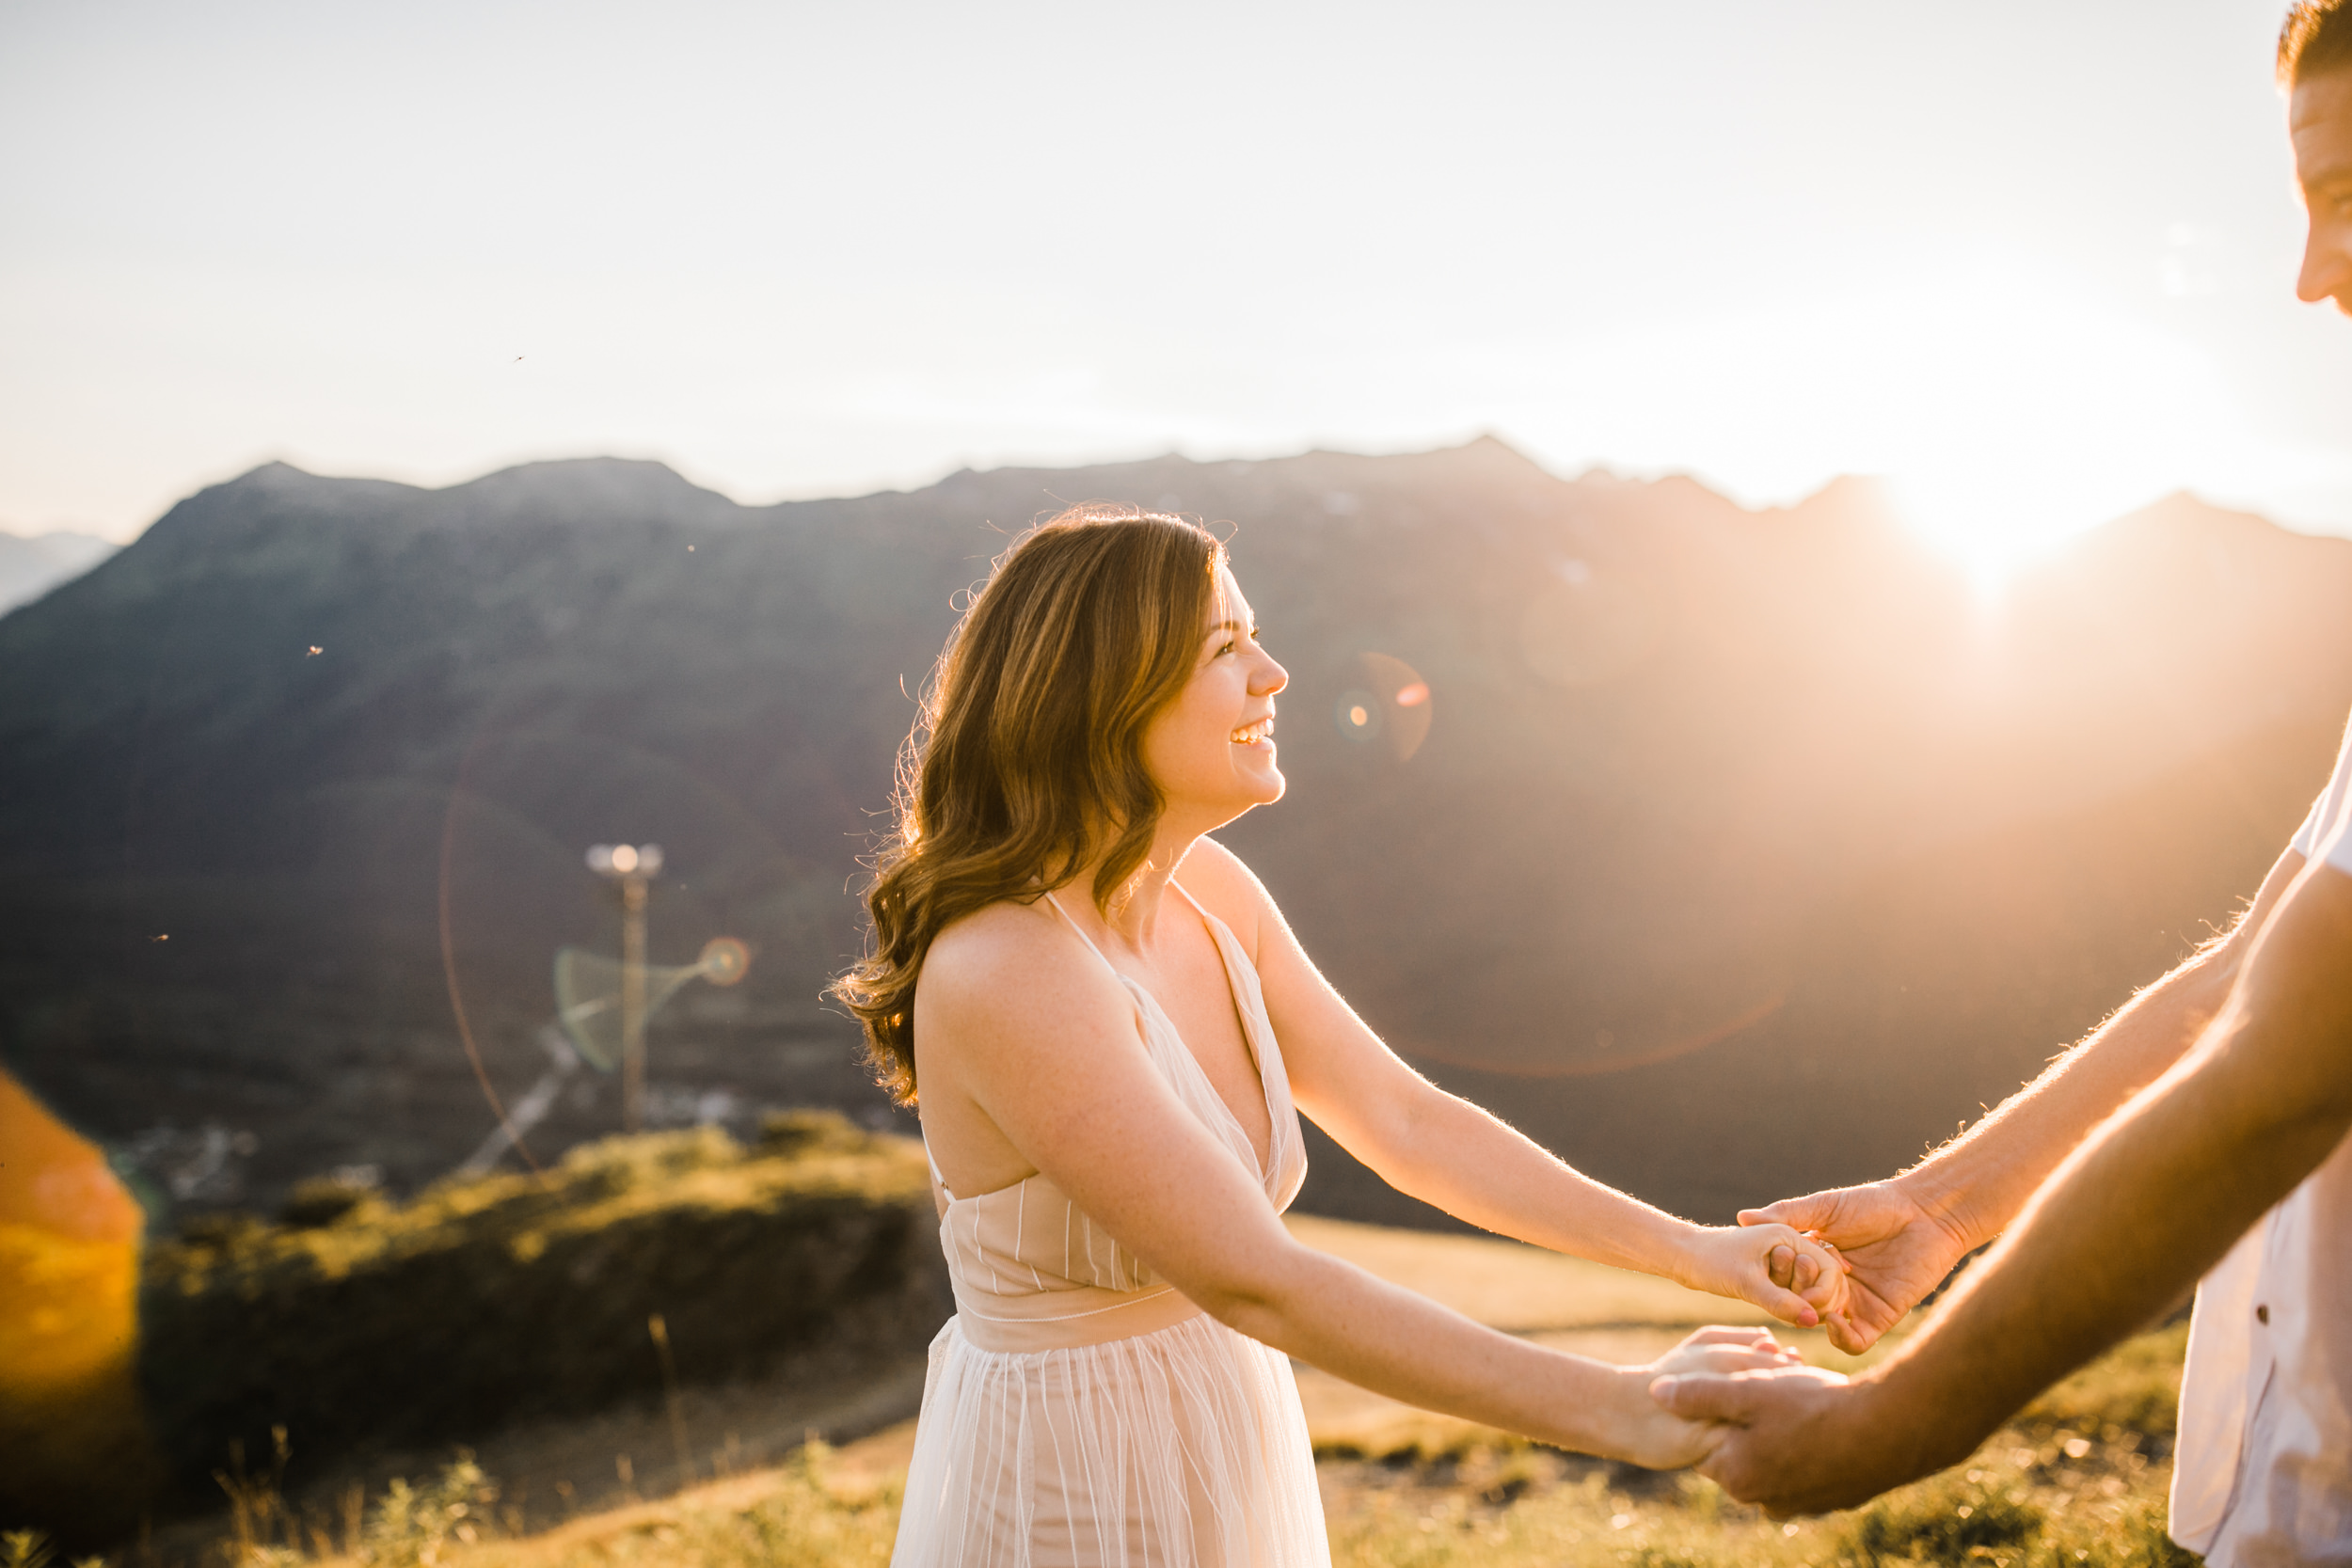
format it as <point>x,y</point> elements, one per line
<point>1212,751</point>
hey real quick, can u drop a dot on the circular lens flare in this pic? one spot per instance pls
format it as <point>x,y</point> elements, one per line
<point>1393,702</point>
<point>1358,714</point>
<point>725,961</point>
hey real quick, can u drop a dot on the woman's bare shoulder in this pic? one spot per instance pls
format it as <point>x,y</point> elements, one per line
<point>1002,961</point>
<point>1008,1012</point>
<point>1010,1000</point>
<point>1002,939</point>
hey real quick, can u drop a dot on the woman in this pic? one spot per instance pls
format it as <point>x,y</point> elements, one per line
<point>1109,1021</point>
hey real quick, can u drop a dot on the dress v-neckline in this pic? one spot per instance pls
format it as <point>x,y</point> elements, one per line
<point>1226,945</point>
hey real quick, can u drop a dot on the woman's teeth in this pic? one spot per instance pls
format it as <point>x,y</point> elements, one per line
<point>1249,734</point>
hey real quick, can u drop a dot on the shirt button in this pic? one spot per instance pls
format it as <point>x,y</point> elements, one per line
<point>2262,1315</point>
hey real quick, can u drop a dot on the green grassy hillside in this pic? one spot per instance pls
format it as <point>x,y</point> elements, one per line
<point>359,1324</point>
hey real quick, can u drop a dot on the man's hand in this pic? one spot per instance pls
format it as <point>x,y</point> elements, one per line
<point>1657,1439</point>
<point>1895,1252</point>
<point>1796,1441</point>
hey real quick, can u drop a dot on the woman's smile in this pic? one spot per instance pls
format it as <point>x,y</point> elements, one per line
<point>1233,679</point>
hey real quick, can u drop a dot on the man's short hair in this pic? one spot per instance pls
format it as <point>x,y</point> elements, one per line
<point>2317,38</point>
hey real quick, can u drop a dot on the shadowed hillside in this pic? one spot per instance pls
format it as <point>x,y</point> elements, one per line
<point>1742,852</point>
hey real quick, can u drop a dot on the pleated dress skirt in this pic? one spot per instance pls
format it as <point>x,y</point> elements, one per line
<point>1080,1413</point>
<point>1183,1444</point>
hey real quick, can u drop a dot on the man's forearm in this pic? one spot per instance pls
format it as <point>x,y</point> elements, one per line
<point>2157,1197</point>
<point>1981,1180</point>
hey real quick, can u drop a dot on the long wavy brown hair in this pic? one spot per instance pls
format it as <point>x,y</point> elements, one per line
<point>1025,762</point>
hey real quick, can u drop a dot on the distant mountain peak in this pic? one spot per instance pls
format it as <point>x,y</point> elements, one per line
<point>595,465</point>
<point>550,488</point>
<point>275,474</point>
<point>599,483</point>
<point>280,479</point>
<point>2186,508</point>
<point>1487,444</point>
<point>1850,490</point>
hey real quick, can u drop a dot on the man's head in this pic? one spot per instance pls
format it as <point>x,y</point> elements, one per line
<point>2316,68</point>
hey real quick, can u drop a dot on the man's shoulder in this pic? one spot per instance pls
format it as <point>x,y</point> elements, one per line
<point>2323,828</point>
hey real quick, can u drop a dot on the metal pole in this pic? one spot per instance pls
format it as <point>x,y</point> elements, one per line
<point>632,1003</point>
<point>659,1329</point>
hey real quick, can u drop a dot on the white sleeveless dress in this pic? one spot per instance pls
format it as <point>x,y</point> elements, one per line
<point>1078,1411</point>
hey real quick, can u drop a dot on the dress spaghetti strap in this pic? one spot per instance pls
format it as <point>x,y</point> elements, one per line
<point>1197,908</point>
<point>1083,936</point>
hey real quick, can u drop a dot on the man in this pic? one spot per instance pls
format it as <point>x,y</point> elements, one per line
<point>2233,1076</point>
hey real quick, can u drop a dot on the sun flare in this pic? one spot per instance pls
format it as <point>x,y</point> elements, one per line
<point>2033,417</point>
<point>1994,521</point>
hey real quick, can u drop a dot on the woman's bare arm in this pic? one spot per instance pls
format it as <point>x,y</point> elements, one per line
<point>1020,1024</point>
<point>1448,1152</point>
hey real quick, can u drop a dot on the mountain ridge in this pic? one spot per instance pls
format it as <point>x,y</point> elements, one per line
<point>1671,740</point>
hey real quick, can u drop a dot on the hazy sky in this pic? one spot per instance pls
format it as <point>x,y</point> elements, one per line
<point>2035,259</point>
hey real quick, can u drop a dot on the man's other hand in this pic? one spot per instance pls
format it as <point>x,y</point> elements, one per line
<point>1895,1252</point>
<point>1795,1441</point>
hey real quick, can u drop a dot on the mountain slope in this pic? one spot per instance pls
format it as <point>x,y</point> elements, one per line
<point>1701,791</point>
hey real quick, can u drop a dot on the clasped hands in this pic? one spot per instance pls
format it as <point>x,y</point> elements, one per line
<point>1799,1439</point>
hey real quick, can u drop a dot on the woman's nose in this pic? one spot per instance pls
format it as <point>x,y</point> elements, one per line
<point>1270,678</point>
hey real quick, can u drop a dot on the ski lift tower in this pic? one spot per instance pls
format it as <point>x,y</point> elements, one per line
<point>633,868</point>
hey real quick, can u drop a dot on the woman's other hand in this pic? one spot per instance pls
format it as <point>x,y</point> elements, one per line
<point>1896,1248</point>
<point>1737,1262</point>
<point>1672,1443</point>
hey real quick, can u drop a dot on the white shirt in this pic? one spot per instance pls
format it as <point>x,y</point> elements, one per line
<point>2262,1473</point>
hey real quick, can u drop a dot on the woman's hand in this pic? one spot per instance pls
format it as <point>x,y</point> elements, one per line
<point>1737,1262</point>
<point>1667,1442</point>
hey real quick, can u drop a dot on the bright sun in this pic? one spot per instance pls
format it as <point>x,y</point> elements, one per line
<point>2032,417</point>
<point>1995,519</point>
<point>2011,405</point>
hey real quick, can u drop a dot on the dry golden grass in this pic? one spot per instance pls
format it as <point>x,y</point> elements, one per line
<point>2037,1496</point>
<point>2076,1482</point>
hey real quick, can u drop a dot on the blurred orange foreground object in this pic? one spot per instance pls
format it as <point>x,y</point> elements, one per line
<point>69,1325</point>
<point>55,1179</point>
